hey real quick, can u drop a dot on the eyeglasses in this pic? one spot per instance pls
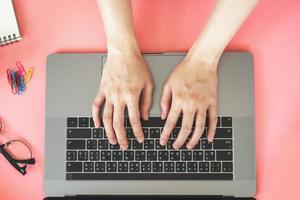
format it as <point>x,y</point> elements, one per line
<point>16,152</point>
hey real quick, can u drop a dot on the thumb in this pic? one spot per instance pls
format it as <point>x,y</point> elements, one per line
<point>146,101</point>
<point>165,101</point>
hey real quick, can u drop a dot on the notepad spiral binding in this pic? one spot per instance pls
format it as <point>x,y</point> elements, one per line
<point>9,39</point>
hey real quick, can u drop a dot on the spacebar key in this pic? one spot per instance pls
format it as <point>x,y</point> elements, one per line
<point>152,176</point>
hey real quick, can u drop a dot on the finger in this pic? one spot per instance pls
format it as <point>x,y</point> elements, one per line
<point>170,123</point>
<point>198,131</point>
<point>96,108</point>
<point>107,121</point>
<point>118,125</point>
<point>165,101</point>
<point>134,118</point>
<point>186,127</point>
<point>146,101</point>
<point>212,122</point>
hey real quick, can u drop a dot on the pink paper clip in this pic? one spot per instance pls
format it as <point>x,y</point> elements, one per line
<point>9,79</point>
<point>20,68</point>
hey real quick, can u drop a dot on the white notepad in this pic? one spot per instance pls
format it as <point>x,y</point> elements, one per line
<point>9,31</point>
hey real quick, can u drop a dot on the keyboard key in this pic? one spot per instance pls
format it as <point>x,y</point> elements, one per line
<point>146,166</point>
<point>180,166</point>
<point>98,133</point>
<point>226,121</point>
<point>192,166</point>
<point>129,144</point>
<point>88,167</point>
<point>111,166</point>
<point>227,167</point>
<point>149,144</point>
<point>91,144</point>
<point>203,166</point>
<point>117,155</point>
<point>123,167</point>
<point>128,155</point>
<point>105,155</point>
<point>204,134</point>
<point>223,133</point>
<point>74,167</point>
<point>114,146</point>
<point>174,155</point>
<point>83,122</point>
<point>94,155</point>
<point>209,155</point>
<point>130,133</point>
<point>140,155</point>
<point>75,144</point>
<point>163,155</point>
<point>186,155</point>
<point>224,155</point>
<point>175,133</point>
<point>136,145</point>
<point>169,167</point>
<point>71,155</point>
<point>154,133</point>
<point>158,146</point>
<point>206,144</point>
<point>157,166</point>
<point>170,144</point>
<point>222,144</point>
<point>134,167</point>
<point>151,155</point>
<point>72,122</point>
<point>83,155</point>
<point>215,166</point>
<point>219,122</point>
<point>102,144</point>
<point>79,133</point>
<point>100,166</point>
<point>146,132</point>
<point>198,155</point>
<point>92,122</point>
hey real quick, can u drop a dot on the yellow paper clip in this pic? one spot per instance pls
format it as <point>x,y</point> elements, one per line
<point>29,74</point>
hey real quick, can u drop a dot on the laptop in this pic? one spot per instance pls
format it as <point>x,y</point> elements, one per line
<point>81,164</point>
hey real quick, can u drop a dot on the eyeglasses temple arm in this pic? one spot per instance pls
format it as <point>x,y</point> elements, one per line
<point>12,161</point>
<point>26,161</point>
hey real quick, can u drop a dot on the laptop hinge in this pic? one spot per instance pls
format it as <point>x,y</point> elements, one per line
<point>148,197</point>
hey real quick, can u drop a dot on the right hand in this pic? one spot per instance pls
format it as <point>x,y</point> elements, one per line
<point>126,82</point>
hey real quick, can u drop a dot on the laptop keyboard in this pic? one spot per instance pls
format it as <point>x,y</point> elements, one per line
<point>89,155</point>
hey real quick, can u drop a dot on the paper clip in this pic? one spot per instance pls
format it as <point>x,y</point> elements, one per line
<point>14,87</point>
<point>29,74</point>
<point>20,68</point>
<point>9,79</point>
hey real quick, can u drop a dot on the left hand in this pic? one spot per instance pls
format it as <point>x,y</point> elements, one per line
<point>190,89</point>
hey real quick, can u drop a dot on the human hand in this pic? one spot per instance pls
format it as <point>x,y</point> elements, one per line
<point>190,89</point>
<point>126,82</point>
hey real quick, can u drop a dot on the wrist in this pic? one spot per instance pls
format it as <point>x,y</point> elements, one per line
<point>126,45</point>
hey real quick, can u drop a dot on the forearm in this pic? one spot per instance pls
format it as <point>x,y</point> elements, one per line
<point>118,24</point>
<point>223,23</point>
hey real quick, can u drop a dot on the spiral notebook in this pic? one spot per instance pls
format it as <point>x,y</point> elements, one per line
<point>9,31</point>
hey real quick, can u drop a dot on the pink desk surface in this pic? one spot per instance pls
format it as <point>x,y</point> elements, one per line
<point>271,33</point>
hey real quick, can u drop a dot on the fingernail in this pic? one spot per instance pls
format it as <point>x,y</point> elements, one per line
<point>188,146</point>
<point>140,139</point>
<point>175,146</point>
<point>124,146</point>
<point>210,140</point>
<point>163,114</point>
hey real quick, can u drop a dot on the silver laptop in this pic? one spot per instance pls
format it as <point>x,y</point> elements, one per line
<point>81,164</point>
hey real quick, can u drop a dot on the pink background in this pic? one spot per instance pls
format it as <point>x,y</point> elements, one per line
<point>271,33</point>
